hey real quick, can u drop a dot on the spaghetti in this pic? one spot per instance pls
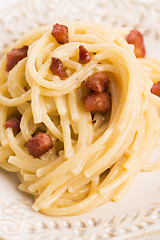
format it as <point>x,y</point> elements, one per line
<point>94,157</point>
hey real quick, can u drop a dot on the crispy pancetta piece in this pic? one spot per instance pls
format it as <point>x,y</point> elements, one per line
<point>156,89</point>
<point>136,38</point>
<point>98,82</point>
<point>97,102</point>
<point>39,144</point>
<point>57,68</point>
<point>14,56</point>
<point>60,33</point>
<point>84,55</point>
<point>13,123</point>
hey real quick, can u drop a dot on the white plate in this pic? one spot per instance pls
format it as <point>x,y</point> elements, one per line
<point>137,215</point>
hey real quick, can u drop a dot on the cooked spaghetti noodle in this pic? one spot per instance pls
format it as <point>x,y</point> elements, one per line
<point>95,157</point>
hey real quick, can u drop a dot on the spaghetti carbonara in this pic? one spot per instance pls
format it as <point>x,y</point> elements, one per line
<point>78,121</point>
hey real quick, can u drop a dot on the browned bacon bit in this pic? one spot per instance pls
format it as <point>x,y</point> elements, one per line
<point>39,144</point>
<point>98,82</point>
<point>97,102</point>
<point>60,33</point>
<point>84,55</point>
<point>14,56</point>
<point>156,89</point>
<point>13,123</point>
<point>56,68</point>
<point>136,38</point>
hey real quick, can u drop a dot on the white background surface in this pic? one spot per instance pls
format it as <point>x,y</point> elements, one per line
<point>8,3</point>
